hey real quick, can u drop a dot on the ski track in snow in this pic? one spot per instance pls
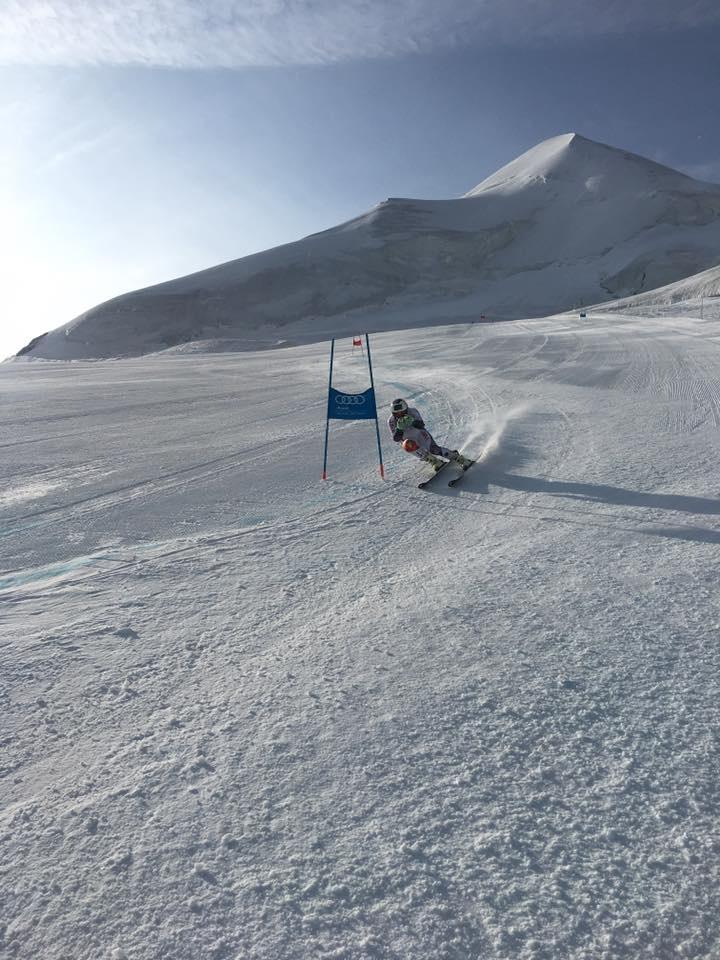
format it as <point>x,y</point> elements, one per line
<point>248,714</point>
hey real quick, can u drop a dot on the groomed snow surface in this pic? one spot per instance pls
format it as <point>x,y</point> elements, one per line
<point>250,715</point>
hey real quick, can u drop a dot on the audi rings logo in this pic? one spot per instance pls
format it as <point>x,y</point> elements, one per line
<point>350,400</point>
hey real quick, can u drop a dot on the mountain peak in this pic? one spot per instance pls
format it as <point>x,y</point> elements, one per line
<point>571,157</point>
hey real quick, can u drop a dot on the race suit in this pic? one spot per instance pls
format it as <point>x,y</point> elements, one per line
<point>418,433</point>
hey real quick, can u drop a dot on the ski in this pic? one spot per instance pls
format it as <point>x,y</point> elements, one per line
<point>424,483</point>
<point>465,469</point>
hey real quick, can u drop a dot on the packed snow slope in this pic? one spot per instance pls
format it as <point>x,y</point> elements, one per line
<point>250,715</point>
<point>571,221</point>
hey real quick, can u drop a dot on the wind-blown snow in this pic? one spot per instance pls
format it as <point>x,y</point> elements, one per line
<point>569,222</point>
<point>250,715</point>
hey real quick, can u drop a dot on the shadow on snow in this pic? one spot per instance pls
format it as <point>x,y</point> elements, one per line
<point>486,475</point>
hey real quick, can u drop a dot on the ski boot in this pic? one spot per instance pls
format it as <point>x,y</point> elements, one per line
<point>460,459</point>
<point>435,462</point>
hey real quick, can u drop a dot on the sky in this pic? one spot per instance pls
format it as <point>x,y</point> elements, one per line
<point>141,140</point>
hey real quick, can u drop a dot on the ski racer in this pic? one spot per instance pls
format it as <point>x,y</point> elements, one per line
<point>408,428</point>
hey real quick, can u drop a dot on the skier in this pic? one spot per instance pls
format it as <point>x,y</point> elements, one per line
<point>408,427</point>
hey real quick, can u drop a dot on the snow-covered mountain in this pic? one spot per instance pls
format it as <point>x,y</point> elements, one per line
<point>569,221</point>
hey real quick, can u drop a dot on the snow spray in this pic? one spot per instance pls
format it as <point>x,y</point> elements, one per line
<point>493,428</point>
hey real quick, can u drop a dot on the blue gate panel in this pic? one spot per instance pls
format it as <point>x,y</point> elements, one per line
<point>351,406</point>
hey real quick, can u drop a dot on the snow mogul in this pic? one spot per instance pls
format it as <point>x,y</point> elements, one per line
<point>408,428</point>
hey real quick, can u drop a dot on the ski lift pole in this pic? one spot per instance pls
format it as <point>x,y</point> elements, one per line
<point>377,424</point>
<point>327,420</point>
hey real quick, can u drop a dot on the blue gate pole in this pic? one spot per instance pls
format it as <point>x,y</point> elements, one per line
<point>327,420</point>
<point>377,425</point>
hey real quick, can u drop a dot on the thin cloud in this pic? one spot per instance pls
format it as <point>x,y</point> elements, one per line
<point>237,33</point>
<point>87,145</point>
